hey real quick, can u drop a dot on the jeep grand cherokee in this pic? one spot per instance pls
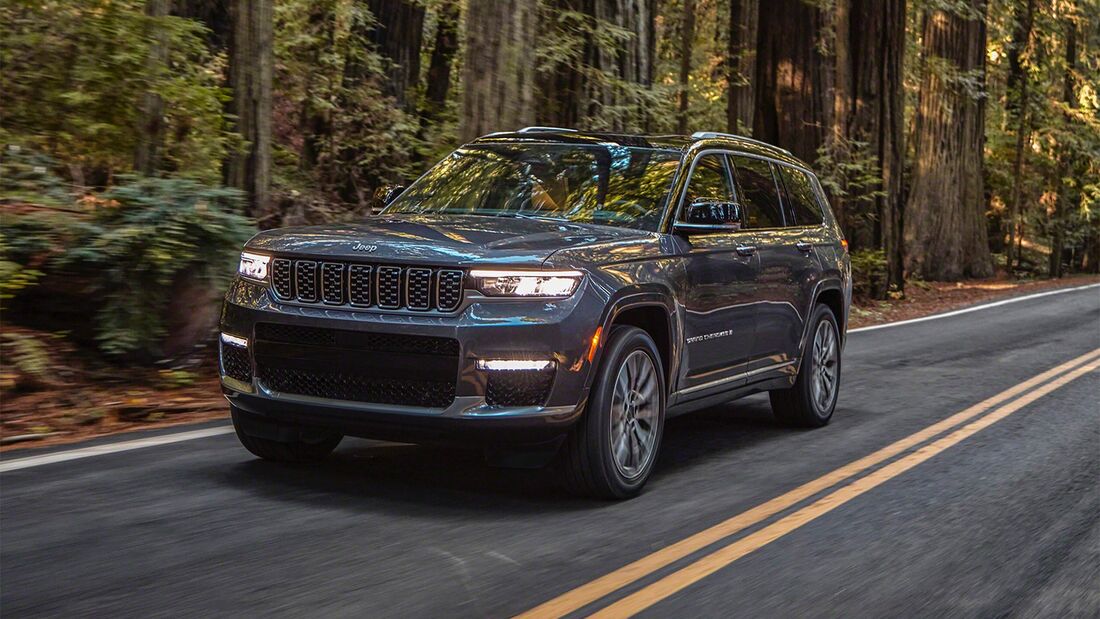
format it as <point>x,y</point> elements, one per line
<point>546,287</point>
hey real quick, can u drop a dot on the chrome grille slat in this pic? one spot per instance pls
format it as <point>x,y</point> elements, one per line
<point>359,285</point>
<point>332,283</point>
<point>305,279</point>
<point>282,278</point>
<point>418,288</point>
<point>389,287</point>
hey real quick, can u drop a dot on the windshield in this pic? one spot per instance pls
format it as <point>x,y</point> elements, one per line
<point>599,184</point>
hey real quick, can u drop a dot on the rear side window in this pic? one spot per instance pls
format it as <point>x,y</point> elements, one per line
<point>800,194</point>
<point>760,197</point>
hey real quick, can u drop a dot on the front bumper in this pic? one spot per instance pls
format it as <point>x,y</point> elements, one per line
<point>559,330</point>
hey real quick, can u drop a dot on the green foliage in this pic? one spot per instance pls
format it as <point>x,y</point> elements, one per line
<point>75,70</point>
<point>869,273</point>
<point>139,242</point>
<point>329,82</point>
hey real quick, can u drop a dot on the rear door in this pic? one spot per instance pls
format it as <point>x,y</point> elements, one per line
<point>785,264</point>
<point>719,305</point>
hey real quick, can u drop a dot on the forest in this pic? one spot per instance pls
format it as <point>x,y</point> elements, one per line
<point>145,140</point>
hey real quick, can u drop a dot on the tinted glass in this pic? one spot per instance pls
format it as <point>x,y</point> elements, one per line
<point>709,180</point>
<point>800,193</point>
<point>758,193</point>
<point>612,185</point>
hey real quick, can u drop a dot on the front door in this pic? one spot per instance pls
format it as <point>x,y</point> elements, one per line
<point>721,270</point>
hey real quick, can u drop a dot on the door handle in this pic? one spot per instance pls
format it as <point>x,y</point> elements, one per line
<point>805,246</point>
<point>746,250</point>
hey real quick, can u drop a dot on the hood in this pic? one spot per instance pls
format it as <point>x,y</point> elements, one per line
<point>446,240</point>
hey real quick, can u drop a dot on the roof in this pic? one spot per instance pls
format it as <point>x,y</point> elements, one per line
<point>663,142</point>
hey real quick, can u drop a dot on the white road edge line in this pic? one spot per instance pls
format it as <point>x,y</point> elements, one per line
<point>976,308</point>
<point>99,450</point>
<point>109,448</point>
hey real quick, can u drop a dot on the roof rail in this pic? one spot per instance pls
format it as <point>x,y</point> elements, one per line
<point>536,129</point>
<point>700,135</point>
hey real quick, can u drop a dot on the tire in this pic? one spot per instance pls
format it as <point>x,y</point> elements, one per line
<point>294,444</point>
<point>629,386</point>
<point>805,404</point>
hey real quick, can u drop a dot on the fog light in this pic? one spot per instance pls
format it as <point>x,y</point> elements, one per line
<point>514,364</point>
<point>234,340</point>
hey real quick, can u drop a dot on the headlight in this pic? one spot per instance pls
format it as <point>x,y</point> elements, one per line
<point>526,283</point>
<point>253,266</point>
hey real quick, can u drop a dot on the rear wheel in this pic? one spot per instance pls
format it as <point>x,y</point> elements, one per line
<point>280,442</point>
<point>611,452</point>
<point>812,399</point>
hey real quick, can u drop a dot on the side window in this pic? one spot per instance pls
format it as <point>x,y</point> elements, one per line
<point>710,180</point>
<point>800,193</point>
<point>760,196</point>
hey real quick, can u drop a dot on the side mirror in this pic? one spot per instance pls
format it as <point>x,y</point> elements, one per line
<point>388,193</point>
<point>708,215</point>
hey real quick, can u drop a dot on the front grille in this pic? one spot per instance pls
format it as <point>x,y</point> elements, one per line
<point>518,387</point>
<point>235,362</point>
<point>359,388</point>
<point>365,285</point>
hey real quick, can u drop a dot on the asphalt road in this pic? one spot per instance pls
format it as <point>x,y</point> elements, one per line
<point>1004,521</point>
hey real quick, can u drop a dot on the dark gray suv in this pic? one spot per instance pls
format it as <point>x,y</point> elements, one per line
<point>546,291</point>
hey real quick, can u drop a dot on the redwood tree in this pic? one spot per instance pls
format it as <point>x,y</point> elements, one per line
<point>398,35</point>
<point>945,232</point>
<point>499,66</point>
<point>250,70</point>
<point>741,64</point>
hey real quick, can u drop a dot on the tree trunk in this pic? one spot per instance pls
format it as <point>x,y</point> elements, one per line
<point>1018,106</point>
<point>875,108</point>
<point>398,36</point>
<point>250,71</point>
<point>793,81</point>
<point>741,60</point>
<point>945,232</point>
<point>438,79</point>
<point>498,71</point>
<point>687,40</point>
<point>1069,97</point>
<point>151,114</point>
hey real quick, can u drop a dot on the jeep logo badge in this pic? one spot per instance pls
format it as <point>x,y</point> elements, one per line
<point>366,248</point>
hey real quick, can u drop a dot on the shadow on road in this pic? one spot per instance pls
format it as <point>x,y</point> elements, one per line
<point>389,477</point>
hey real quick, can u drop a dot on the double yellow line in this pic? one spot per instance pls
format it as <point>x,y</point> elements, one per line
<point>998,407</point>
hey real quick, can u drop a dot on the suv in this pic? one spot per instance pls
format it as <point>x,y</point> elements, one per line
<point>551,290</point>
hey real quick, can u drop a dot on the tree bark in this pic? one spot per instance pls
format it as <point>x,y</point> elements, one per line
<point>1018,106</point>
<point>687,41</point>
<point>250,71</point>
<point>498,71</point>
<point>741,60</point>
<point>151,113</point>
<point>398,36</point>
<point>945,232</point>
<point>1069,97</point>
<point>793,108</point>
<point>875,109</point>
<point>438,79</point>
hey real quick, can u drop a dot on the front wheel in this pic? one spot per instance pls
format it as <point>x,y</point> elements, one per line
<point>611,452</point>
<point>812,399</point>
